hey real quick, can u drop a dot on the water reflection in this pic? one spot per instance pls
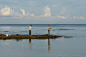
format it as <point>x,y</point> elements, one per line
<point>30,45</point>
<point>17,39</point>
<point>48,44</point>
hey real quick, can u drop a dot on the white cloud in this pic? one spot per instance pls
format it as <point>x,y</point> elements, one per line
<point>16,15</point>
<point>63,17</point>
<point>41,16</point>
<point>23,11</point>
<point>47,11</point>
<point>81,17</point>
<point>31,14</point>
<point>6,11</point>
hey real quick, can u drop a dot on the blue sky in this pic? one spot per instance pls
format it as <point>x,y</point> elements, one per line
<point>42,11</point>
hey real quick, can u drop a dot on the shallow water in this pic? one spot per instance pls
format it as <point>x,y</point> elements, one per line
<point>60,47</point>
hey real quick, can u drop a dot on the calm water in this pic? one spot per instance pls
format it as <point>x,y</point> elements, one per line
<point>60,47</point>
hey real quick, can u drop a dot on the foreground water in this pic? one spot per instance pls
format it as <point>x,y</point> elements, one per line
<point>60,47</point>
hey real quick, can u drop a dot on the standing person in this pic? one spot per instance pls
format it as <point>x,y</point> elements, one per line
<point>49,30</point>
<point>30,30</point>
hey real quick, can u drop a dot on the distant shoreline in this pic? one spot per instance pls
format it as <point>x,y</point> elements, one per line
<point>42,24</point>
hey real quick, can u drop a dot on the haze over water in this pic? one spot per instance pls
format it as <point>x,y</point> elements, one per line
<point>60,47</point>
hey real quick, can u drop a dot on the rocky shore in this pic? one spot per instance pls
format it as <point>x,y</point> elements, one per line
<point>2,36</point>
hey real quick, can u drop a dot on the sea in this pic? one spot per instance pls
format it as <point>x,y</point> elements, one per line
<point>73,45</point>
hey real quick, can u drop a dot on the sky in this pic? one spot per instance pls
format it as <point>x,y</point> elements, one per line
<point>42,11</point>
